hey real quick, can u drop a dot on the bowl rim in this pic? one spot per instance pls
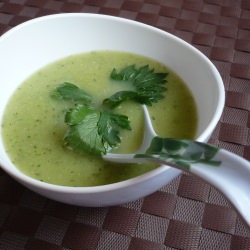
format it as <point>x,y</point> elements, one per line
<point>18,175</point>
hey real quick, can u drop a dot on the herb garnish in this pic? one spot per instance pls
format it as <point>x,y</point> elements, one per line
<point>69,91</point>
<point>95,131</point>
<point>148,86</point>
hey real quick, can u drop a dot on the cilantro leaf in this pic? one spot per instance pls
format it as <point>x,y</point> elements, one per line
<point>93,131</point>
<point>69,91</point>
<point>148,86</point>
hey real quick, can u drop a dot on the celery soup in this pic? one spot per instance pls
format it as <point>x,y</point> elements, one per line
<point>33,126</point>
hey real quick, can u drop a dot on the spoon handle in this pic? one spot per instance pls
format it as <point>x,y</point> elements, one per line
<point>226,171</point>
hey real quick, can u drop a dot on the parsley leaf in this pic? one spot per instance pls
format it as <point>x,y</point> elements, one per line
<point>119,97</point>
<point>93,131</point>
<point>148,86</point>
<point>69,91</point>
<point>109,125</point>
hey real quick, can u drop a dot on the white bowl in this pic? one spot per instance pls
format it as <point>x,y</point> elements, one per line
<point>33,44</point>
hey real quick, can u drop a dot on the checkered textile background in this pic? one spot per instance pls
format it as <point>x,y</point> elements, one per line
<point>185,214</point>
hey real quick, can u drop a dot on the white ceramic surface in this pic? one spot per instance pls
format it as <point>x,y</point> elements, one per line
<point>231,181</point>
<point>35,43</point>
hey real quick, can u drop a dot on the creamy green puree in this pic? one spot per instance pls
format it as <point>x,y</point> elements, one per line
<point>33,125</point>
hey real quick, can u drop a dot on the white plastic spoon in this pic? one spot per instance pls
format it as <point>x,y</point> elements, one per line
<point>227,172</point>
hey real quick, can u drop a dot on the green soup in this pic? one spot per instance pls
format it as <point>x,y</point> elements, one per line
<point>33,125</point>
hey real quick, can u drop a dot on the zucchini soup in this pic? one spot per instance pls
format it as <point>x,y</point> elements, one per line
<point>33,125</point>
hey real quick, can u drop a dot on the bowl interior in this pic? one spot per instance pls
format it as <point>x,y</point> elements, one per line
<point>34,44</point>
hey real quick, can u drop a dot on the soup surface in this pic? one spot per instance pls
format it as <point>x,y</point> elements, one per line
<point>33,125</point>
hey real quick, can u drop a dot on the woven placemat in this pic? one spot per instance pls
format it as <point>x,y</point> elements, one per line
<point>185,214</point>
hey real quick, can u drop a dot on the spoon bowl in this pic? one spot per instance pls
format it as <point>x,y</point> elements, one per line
<point>227,172</point>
